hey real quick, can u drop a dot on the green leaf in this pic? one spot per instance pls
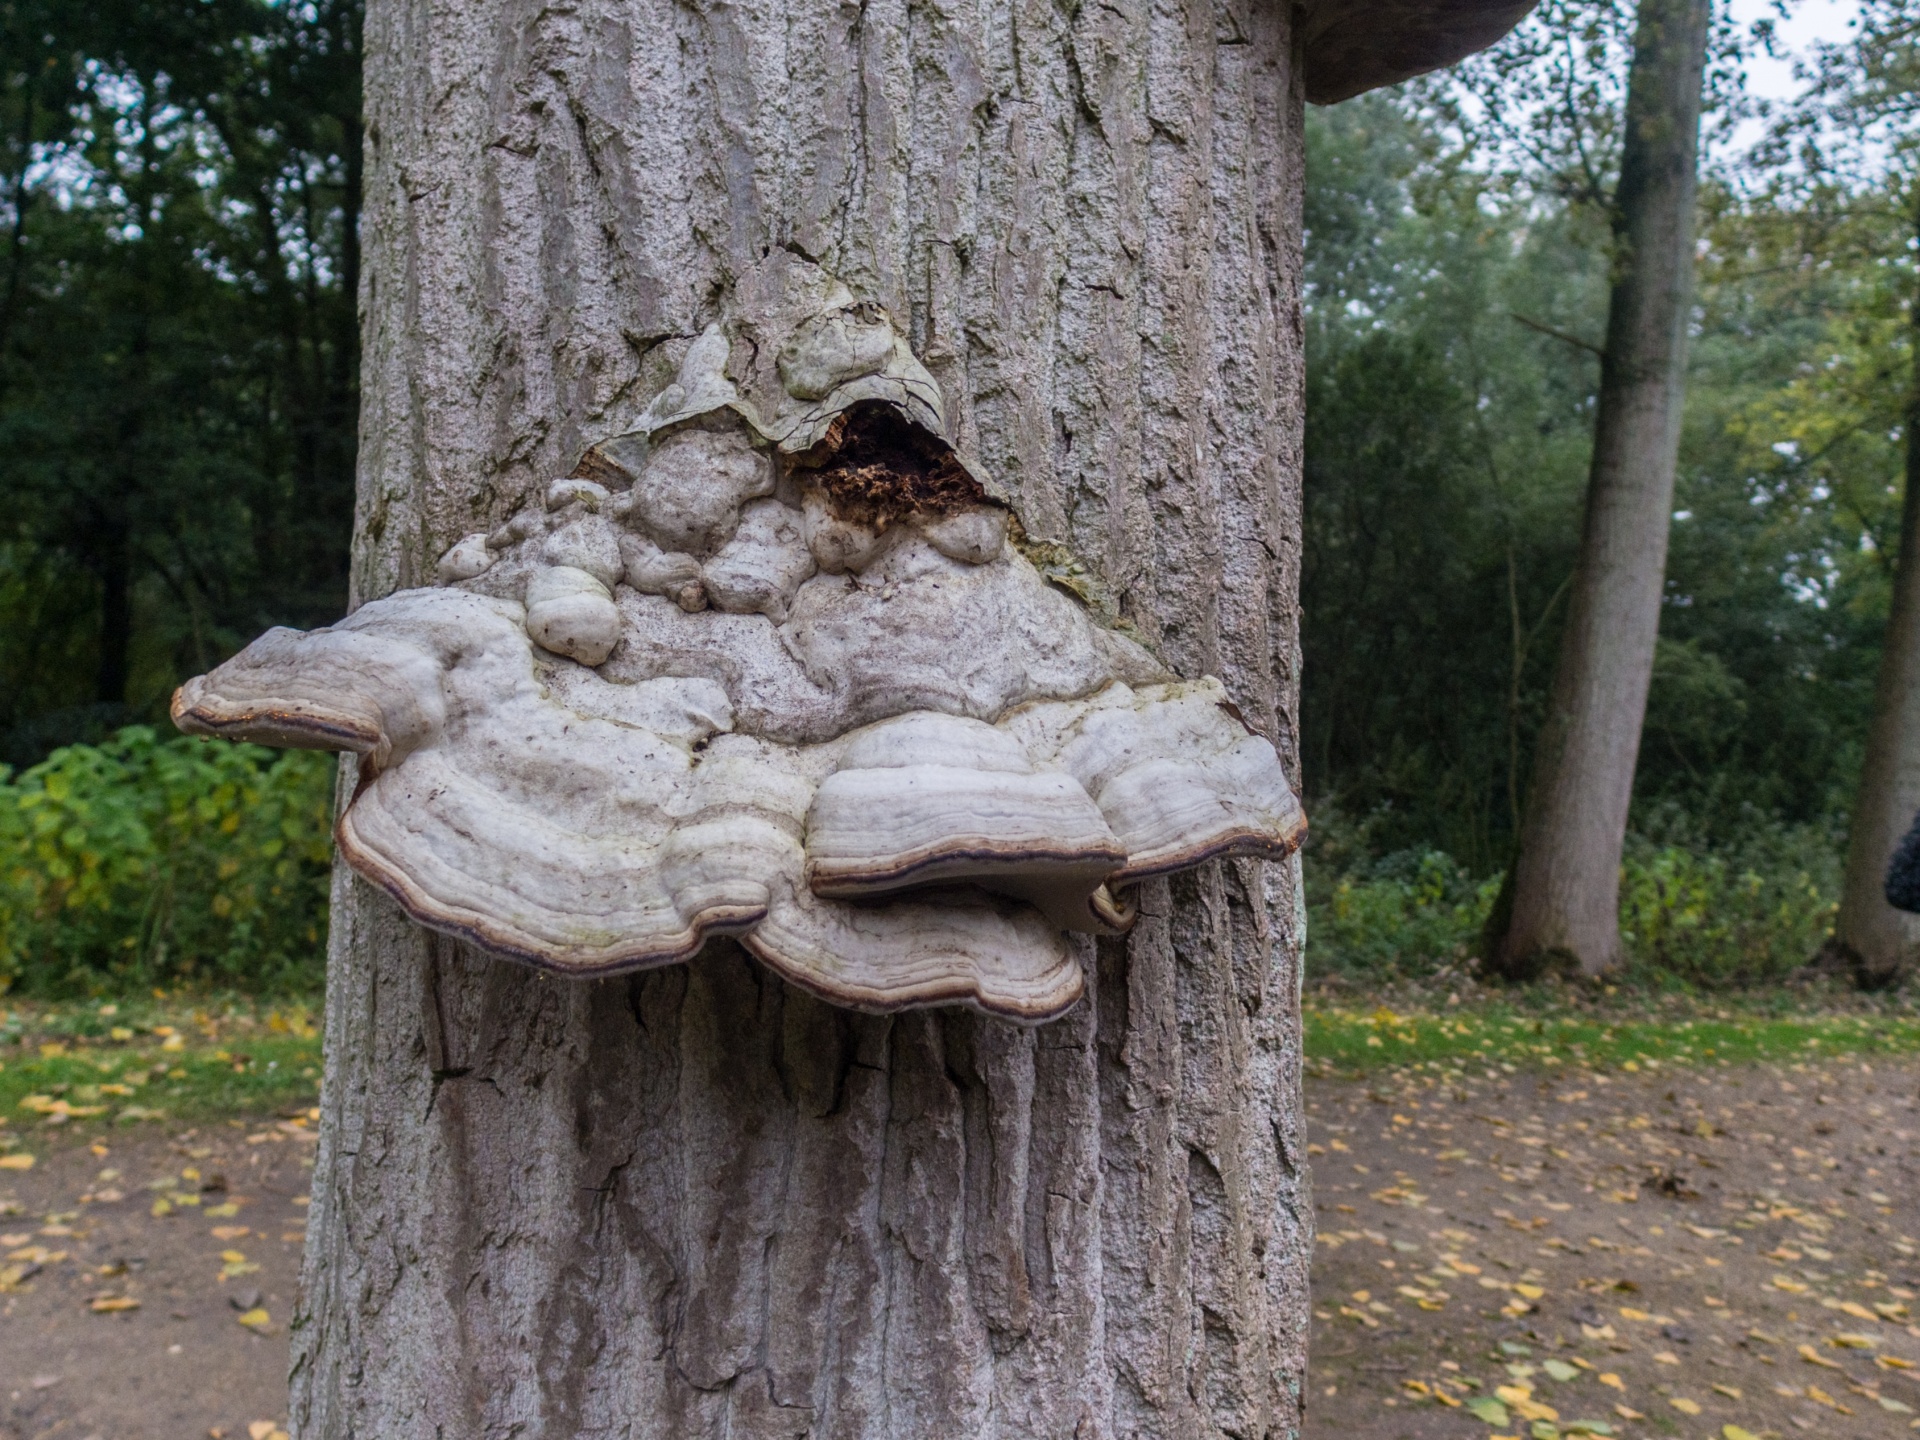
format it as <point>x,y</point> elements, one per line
<point>1486,1408</point>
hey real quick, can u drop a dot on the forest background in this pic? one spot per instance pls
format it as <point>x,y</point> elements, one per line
<point>179,199</point>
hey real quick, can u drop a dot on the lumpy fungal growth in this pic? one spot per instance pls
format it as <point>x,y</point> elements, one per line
<point>766,667</point>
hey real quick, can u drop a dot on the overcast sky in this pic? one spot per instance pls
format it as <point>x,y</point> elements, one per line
<point>1806,22</point>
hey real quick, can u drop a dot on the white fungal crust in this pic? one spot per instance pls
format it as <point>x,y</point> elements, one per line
<point>767,667</point>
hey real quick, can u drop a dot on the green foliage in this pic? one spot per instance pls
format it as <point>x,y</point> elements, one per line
<point>1693,913</point>
<point>1715,919</point>
<point>1410,914</point>
<point>152,862</point>
<point>1456,287</point>
<point>179,199</point>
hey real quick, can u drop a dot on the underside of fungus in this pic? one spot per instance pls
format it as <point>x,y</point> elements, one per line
<point>766,667</point>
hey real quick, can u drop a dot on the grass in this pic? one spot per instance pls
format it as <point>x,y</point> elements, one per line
<point>128,1062</point>
<point>1359,1041</point>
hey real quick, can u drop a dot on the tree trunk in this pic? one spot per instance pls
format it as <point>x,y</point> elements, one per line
<point>1870,938</point>
<point>1565,886</point>
<point>696,1202</point>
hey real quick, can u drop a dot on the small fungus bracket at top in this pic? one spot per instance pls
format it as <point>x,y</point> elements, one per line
<point>1351,46</point>
<point>767,666</point>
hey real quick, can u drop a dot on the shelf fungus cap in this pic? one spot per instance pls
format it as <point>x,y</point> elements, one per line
<point>769,668</point>
<point>930,799</point>
<point>1176,773</point>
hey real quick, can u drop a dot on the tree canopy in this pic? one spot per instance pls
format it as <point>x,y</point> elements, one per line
<point>1458,269</point>
<point>179,188</point>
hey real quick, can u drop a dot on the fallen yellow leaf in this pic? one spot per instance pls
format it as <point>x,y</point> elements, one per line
<point>1520,1400</point>
<point>256,1318</point>
<point>112,1304</point>
<point>1814,1357</point>
<point>19,1160</point>
<point>1790,1285</point>
<point>1736,1432</point>
<point>1532,1292</point>
<point>1849,1341</point>
<point>1627,1412</point>
<point>1684,1405</point>
<point>1627,1312</point>
<point>1609,1378</point>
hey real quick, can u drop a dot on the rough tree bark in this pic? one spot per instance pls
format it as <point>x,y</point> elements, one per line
<point>1873,941</point>
<point>695,1202</point>
<point>1563,899</point>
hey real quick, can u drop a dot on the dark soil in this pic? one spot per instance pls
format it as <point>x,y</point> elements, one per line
<point>1696,1234</point>
<point>1734,1247</point>
<point>82,1238</point>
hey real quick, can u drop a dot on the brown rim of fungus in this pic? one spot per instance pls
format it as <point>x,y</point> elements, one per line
<point>1246,844</point>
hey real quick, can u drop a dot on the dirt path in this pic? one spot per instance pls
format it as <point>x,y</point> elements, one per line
<point>147,1280</point>
<point>1692,1253</point>
<point>1498,1239</point>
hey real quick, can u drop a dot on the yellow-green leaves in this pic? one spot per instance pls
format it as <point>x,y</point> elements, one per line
<point>149,859</point>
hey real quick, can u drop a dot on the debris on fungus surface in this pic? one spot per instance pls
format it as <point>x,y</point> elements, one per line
<point>767,667</point>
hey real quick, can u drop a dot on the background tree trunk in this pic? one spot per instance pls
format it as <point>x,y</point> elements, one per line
<point>1565,886</point>
<point>1870,938</point>
<point>695,1202</point>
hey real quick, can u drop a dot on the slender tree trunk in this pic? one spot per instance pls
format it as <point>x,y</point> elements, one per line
<point>1870,938</point>
<point>695,1202</point>
<point>1565,886</point>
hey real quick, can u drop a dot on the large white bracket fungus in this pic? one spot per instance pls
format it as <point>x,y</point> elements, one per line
<point>766,667</point>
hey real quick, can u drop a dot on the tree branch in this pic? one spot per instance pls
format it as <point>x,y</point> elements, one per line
<point>1562,335</point>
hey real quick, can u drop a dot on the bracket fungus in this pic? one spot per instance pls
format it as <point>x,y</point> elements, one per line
<point>767,666</point>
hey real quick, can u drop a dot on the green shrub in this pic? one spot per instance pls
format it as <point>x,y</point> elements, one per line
<point>1404,916</point>
<point>1691,912</point>
<point>1714,919</point>
<point>145,861</point>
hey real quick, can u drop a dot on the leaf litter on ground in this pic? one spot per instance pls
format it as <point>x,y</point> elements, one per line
<point>1602,1243</point>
